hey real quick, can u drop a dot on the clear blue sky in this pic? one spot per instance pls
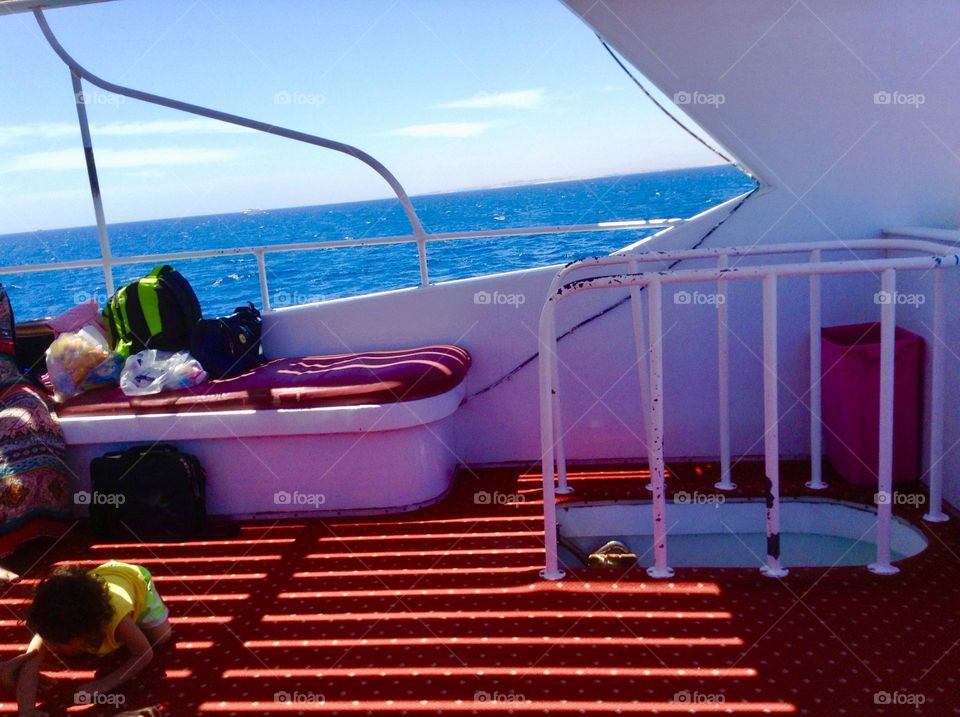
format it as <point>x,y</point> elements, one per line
<point>449,94</point>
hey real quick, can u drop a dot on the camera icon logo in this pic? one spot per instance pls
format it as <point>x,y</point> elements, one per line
<point>81,497</point>
<point>281,497</point>
<point>482,298</point>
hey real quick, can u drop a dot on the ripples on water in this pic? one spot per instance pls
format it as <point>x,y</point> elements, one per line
<point>301,277</point>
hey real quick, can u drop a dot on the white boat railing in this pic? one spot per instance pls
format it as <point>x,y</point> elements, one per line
<point>107,262</point>
<point>938,257</point>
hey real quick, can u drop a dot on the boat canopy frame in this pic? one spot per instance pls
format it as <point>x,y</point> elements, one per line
<point>13,7</point>
<point>418,234</point>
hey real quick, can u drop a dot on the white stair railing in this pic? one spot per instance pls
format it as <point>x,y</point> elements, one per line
<point>938,257</point>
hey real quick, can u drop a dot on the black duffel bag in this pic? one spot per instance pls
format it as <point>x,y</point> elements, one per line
<point>230,345</point>
<point>147,493</point>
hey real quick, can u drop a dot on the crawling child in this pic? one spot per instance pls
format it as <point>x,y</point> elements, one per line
<point>95,611</point>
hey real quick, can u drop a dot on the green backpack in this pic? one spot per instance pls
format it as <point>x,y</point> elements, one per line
<point>156,312</point>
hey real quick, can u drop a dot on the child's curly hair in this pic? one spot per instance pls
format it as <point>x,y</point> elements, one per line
<point>70,603</point>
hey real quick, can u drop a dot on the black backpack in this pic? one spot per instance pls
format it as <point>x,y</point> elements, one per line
<point>230,345</point>
<point>156,312</point>
<point>146,493</point>
<point>8,326</point>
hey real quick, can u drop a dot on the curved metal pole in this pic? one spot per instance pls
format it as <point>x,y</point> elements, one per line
<point>370,161</point>
<point>105,253</point>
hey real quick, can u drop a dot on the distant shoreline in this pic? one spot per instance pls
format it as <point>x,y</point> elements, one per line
<point>464,190</point>
<point>558,180</point>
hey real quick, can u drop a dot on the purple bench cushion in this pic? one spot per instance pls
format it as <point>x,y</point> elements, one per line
<point>306,382</point>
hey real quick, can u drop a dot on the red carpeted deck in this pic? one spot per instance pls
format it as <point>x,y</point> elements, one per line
<point>442,610</point>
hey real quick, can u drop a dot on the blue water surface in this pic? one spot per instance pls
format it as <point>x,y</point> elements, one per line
<point>301,277</point>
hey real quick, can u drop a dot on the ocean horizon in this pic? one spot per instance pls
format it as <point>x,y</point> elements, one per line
<point>223,283</point>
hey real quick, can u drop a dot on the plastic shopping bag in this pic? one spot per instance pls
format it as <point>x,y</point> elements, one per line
<point>153,371</point>
<point>81,361</point>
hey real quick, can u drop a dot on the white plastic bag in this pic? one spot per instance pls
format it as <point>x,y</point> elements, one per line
<point>153,371</point>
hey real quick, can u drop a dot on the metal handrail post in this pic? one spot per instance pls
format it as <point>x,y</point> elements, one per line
<point>660,569</point>
<point>262,274</point>
<point>723,377</point>
<point>888,285</point>
<point>643,365</point>
<point>935,513</point>
<point>422,257</point>
<point>771,434</point>
<point>547,339</point>
<point>560,453</point>
<point>816,399</point>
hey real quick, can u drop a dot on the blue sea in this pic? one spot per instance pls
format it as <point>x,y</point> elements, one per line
<point>301,277</point>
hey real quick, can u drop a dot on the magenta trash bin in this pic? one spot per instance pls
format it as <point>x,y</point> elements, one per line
<point>850,360</point>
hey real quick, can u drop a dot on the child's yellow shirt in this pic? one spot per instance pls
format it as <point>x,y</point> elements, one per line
<point>128,595</point>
